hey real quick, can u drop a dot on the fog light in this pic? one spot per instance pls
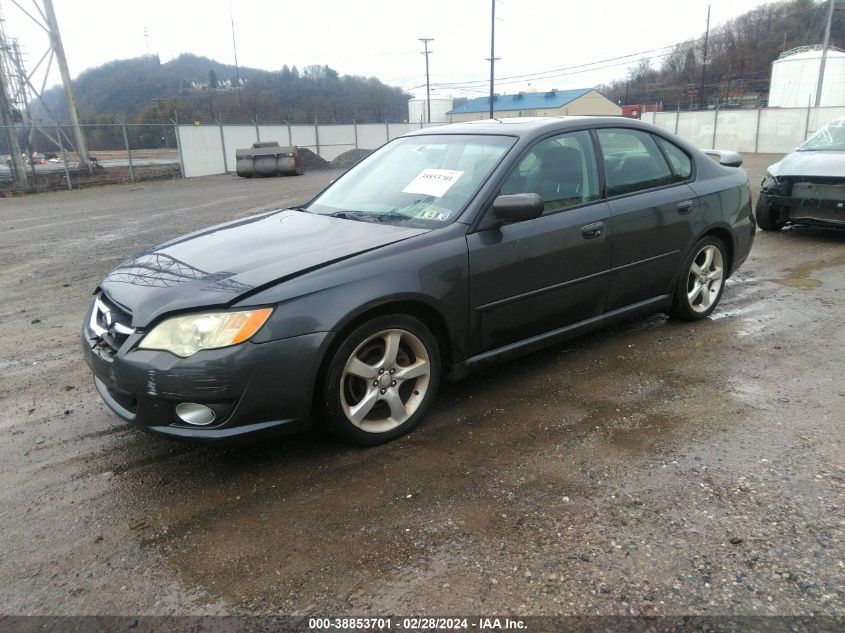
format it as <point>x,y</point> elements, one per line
<point>195,414</point>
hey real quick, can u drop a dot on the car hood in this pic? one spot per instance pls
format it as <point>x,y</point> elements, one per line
<point>823,164</point>
<point>219,265</point>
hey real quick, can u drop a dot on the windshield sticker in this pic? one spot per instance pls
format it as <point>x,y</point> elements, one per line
<point>430,214</point>
<point>433,182</point>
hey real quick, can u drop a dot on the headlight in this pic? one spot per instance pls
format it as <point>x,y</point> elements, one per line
<point>186,335</point>
<point>770,182</point>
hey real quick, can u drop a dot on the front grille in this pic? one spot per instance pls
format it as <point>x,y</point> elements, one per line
<point>110,323</point>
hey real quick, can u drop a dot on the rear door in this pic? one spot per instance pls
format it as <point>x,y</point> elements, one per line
<point>530,277</point>
<point>654,212</point>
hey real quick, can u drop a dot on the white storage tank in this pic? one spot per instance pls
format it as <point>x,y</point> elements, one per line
<point>417,111</point>
<point>795,76</point>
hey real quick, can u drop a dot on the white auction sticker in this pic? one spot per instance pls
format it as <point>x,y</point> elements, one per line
<point>433,182</point>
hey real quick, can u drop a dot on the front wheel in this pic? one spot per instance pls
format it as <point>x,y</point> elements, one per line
<point>702,280</point>
<point>381,380</point>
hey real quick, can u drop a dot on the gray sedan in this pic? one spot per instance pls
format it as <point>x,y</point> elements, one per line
<point>445,250</point>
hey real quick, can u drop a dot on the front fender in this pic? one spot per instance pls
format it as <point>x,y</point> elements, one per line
<point>432,272</point>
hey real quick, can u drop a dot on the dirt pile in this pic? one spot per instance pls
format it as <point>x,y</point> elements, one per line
<point>310,160</point>
<point>350,158</point>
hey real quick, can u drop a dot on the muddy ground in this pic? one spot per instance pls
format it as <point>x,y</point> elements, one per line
<point>654,468</point>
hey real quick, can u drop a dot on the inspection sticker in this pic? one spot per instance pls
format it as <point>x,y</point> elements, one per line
<point>430,214</point>
<point>433,182</point>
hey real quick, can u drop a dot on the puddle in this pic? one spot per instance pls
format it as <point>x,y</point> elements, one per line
<point>798,282</point>
<point>800,275</point>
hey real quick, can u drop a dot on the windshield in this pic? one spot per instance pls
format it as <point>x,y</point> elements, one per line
<point>423,181</point>
<point>830,137</point>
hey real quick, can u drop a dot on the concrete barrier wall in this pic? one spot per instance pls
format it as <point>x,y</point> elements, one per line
<point>203,147</point>
<point>767,130</point>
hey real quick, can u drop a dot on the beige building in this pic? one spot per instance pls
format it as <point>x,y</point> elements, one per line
<point>552,103</point>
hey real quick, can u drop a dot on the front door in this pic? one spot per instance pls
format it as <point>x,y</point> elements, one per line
<point>530,277</point>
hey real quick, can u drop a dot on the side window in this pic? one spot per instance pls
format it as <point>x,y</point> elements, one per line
<point>562,170</point>
<point>678,159</point>
<point>632,161</point>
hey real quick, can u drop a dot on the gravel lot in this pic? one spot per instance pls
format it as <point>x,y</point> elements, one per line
<point>654,468</point>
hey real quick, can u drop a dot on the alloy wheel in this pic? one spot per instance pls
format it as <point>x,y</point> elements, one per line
<point>385,380</point>
<point>705,279</point>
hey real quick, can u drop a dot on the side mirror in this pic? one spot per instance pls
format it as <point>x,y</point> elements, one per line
<point>518,207</point>
<point>724,157</point>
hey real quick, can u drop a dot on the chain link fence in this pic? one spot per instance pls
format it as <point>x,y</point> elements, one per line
<point>131,152</point>
<point>118,152</point>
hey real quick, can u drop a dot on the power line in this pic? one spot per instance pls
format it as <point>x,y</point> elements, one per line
<point>585,67</point>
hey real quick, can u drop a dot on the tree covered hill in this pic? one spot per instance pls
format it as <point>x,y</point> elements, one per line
<point>739,58</point>
<point>198,88</point>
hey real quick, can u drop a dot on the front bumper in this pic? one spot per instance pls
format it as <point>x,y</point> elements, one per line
<point>254,389</point>
<point>810,210</point>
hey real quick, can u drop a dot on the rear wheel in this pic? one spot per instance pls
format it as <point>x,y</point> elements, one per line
<point>702,281</point>
<point>768,218</point>
<point>381,381</point>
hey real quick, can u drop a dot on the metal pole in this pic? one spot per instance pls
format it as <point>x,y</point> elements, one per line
<point>757,130</point>
<point>58,48</point>
<point>290,135</point>
<point>128,151</point>
<point>18,168</point>
<point>807,121</point>
<point>702,104</point>
<point>824,52</point>
<point>175,122</point>
<point>355,127</point>
<point>223,147</point>
<point>677,117</point>
<point>257,130</point>
<point>715,124</point>
<point>426,52</point>
<point>386,131</point>
<point>64,156</point>
<point>317,135</point>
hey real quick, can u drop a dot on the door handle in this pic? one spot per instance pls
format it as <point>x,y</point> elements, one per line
<point>685,206</point>
<point>590,231</point>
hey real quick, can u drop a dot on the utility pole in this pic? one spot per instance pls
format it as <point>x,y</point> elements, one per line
<point>59,50</point>
<point>235,49</point>
<point>493,58</point>
<point>702,102</point>
<point>426,52</point>
<point>831,4</point>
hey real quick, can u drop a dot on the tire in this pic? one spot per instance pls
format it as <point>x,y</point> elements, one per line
<point>768,219</point>
<point>367,397</point>
<point>702,280</point>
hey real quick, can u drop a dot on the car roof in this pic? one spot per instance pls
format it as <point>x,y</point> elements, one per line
<point>529,126</point>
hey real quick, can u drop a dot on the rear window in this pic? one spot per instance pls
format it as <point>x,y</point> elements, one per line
<point>632,161</point>
<point>678,159</point>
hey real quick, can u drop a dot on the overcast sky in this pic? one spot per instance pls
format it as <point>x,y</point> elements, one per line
<point>379,37</point>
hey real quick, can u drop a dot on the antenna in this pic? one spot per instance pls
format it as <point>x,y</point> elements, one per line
<point>147,40</point>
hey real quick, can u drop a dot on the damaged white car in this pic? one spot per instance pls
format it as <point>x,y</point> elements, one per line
<point>808,185</point>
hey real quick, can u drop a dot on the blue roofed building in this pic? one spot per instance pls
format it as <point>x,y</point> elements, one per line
<point>580,101</point>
